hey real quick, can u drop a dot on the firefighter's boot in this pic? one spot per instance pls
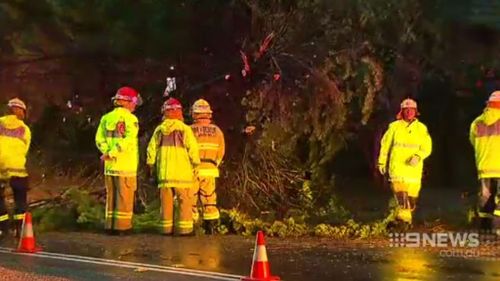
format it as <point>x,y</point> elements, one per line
<point>210,226</point>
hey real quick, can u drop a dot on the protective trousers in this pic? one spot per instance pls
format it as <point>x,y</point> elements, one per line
<point>184,219</point>
<point>489,204</point>
<point>119,202</point>
<point>406,196</point>
<point>204,191</point>
<point>20,190</point>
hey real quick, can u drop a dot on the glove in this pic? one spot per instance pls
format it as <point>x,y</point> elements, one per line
<point>413,161</point>
<point>106,157</point>
<point>382,169</point>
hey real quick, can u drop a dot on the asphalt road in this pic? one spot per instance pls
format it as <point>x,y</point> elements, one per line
<point>47,266</point>
<point>153,257</point>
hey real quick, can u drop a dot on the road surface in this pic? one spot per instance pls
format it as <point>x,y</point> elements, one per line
<point>50,266</point>
<point>153,257</point>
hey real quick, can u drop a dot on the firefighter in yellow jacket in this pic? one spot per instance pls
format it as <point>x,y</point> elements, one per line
<point>174,152</point>
<point>15,139</point>
<point>404,146</point>
<point>485,138</point>
<point>117,140</point>
<point>211,143</point>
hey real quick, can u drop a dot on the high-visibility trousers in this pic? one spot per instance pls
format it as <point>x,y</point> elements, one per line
<point>204,191</point>
<point>120,193</point>
<point>184,221</point>
<point>413,189</point>
<point>406,195</point>
<point>488,208</point>
<point>20,191</point>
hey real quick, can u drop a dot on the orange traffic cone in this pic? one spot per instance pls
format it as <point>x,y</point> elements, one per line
<point>260,265</point>
<point>27,242</point>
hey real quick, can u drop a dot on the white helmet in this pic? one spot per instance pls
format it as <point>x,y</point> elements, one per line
<point>15,102</point>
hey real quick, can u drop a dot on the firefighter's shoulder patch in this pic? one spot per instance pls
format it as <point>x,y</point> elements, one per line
<point>121,128</point>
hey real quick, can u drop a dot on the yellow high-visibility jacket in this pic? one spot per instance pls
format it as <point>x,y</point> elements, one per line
<point>212,147</point>
<point>15,139</point>
<point>174,151</point>
<point>485,138</point>
<point>400,142</point>
<point>117,137</point>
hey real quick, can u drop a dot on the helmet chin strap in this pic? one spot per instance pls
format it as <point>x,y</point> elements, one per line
<point>408,119</point>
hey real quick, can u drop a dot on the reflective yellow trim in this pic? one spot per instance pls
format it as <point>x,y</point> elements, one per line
<point>208,146</point>
<point>185,224</point>
<point>405,180</point>
<point>13,170</point>
<point>109,172</point>
<point>211,172</point>
<point>4,217</point>
<point>19,217</point>
<point>166,223</point>
<point>119,215</point>
<point>114,135</point>
<point>486,173</point>
<point>211,216</point>
<point>484,215</point>
<point>176,181</point>
<point>407,145</point>
<point>496,213</point>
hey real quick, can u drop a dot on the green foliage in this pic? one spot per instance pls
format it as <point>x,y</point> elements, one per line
<point>233,221</point>
<point>332,213</point>
<point>351,230</point>
<point>80,210</point>
<point>149,220</point>
<point>90,212</point>
<point>54,218</point>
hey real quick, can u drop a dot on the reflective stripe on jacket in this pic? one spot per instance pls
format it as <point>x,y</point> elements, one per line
<point>400,142</point>
<point>174,151</point>
<point>15,139</point>
<point>485,138</point>
<point>211,145</point>
<point>117,137</point>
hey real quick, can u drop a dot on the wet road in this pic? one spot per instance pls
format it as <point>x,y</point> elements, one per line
<point>291,259</point>
<point>46,266</point>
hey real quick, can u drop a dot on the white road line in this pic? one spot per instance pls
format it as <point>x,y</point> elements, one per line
<point>133,265</point>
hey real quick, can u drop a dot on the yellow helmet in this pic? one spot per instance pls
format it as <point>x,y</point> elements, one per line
<point>16,103</point>
<point>201,106</point>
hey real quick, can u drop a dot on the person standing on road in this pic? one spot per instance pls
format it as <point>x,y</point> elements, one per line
<point>15,139</point>
<point>485,138</point>
<point>404,146</point>
<point>174,151</point>
<point>117,140</point>
<point>212,147</point>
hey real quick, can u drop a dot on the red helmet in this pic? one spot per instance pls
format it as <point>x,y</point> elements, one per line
<point>171,104</point>
<point>128,94</point>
